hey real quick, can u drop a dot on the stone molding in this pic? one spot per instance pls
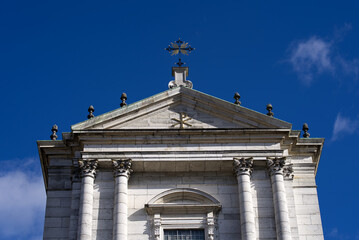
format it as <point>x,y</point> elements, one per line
<point>88,167</point>
<point>243,166</point>
<point>122,167</point>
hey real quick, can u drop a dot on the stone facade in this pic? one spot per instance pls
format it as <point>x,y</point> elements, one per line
<point>181,160</point>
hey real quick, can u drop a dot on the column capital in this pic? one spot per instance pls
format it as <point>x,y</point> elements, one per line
<point>276,165</point>
<point>243,166</point>
<point>122,167</point>
<point>88,167</point>
<point>288,172</point>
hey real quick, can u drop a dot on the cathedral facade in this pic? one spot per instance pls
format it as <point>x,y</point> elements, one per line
<point>181,165</point>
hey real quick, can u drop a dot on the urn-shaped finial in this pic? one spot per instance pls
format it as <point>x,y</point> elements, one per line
<point>305,130</point>
<point>123,98</point>
<point>54,130</point>
<point>237,97</point>
<point>91,110</point>
<point>269,109</point>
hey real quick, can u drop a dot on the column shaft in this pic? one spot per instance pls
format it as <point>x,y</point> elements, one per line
<point>243,170</point>
<point>279,199</point>
<point>122,171</point>
<point>88,173</point>
<point>246,207</point>
<point>120,209</point>
<point>86,205</point>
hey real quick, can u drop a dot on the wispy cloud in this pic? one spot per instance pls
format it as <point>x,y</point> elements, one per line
<point>344,126</point>
<point>336,234</point>
<point>310,57</point>
<point>22,204</point>
<point>315,56</point>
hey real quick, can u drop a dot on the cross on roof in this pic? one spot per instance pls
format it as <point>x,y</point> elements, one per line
<point>179,47</point>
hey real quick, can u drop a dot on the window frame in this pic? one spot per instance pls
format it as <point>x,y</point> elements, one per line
<point>169,210</point>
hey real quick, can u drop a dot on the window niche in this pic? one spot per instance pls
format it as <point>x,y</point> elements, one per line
<point>183,209</point>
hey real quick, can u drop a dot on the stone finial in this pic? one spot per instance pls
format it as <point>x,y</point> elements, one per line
<point>305,130</point>
<point>91,110</point>
<point>88,167</point>
<point>243,165</point>
<point>275,164</point>
<point>237,97</point>
<point>122,167</point>
<point>54,130</point>
<point>123,98</point>
<point>269,109</point>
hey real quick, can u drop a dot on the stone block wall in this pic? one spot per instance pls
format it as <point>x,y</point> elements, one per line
<point>63,197</point>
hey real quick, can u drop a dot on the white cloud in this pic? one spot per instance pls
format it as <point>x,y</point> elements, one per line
<point>315,56</point>
<point>344,125</point>
<point>349,67</point>
<point>22,202</point>
<point>310,57</point>
<point>335,234</point>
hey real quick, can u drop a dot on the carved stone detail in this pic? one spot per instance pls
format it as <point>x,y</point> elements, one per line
<point>186,83</point>
<point>122,167</point>
<point>288,172</point>
<point>182,121</point>
<point>88,167</point>
<point>211,226</point>
<point>278,166</point>
<point>243,166</point>
<point>157,226</point>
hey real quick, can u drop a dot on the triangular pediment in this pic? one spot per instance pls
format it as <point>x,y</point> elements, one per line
<point>181,107</point>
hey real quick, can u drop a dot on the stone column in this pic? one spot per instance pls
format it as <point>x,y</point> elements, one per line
<point>276,168</point>
<point>88,173</point>
<point>243,169</point>
<point>122,171</point>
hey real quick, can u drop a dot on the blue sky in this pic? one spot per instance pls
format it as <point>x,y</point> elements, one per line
<point>57,58</point>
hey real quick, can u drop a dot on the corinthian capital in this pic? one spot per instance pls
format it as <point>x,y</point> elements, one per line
<point>122,167</point>
<point>275,165</point>
<point>88,167</point>
<point>243,165</point>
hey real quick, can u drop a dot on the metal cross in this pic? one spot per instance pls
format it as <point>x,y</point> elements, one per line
<point>182,121</point>
<point>180,63</point>
<point>179,47</point>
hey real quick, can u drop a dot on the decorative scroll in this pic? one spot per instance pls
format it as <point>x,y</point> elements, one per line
<point>88,167</point>
<point>243,166</point>
<point>278,166</point>
<point>288,172</point>
<point>275,165</point>
<point>122,167</point>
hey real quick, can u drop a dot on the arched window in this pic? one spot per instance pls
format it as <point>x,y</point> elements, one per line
<point>183,213</point>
